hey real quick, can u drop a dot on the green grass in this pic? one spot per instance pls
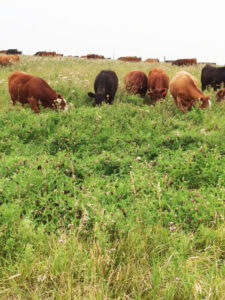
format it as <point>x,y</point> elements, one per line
<point>112,202</point>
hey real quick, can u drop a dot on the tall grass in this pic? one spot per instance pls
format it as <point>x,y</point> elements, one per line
<point>112,202</point>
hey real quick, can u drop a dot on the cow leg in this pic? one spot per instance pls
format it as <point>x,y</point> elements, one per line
<point>203,86</point>
<point>180,104</point>
<point>33,104</point>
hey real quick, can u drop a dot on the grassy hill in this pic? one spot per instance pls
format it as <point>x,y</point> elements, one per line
<point>112,202</point>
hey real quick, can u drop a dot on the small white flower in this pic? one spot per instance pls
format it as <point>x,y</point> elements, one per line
<point>98,118</point>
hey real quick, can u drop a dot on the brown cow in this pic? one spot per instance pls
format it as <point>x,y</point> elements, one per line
<point>130,58</point>
<point>185,91</point>
<point>136,83</point>
<point>152,60</point>
<point>94,56</point>
<point>8,59</point>
<point>26,88</point>
<point>46,53</point>
<point>185,62</point>
<point>220,95</point>
<point>158,84</point>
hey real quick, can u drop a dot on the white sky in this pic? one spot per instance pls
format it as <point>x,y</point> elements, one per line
<point>147,28</point>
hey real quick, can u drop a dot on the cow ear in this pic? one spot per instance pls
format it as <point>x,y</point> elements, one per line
<point>92,95</point>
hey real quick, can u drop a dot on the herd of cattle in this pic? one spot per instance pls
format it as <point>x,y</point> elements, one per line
<point>35,91</point>
<point>26,88</point>
<point>183,86</point>
<point>178,62</point>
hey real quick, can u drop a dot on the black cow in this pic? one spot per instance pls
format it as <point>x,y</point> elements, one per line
<point>13,52</point>
<point>212,76</point>
<point>105,86</point>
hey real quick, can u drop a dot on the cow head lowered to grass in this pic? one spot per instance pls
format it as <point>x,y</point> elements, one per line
<point>26,88</point>
<point>158,84</point>
<point>105,86</point>
<point>185,91</point>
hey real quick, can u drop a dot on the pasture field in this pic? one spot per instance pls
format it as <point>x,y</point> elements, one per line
<point>112,202</point>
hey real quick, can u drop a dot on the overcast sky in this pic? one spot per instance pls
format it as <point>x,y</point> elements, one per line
<point>150,29</point>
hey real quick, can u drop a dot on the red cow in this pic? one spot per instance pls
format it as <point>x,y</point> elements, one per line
<point>185,62</point>
<point>26,88</point>
<point>158,84</point>
<point>136,83</point>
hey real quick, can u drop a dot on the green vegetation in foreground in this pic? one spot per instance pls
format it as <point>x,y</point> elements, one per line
<point>113,202</point>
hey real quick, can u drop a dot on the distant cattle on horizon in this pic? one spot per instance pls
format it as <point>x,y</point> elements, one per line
<point>152,60</point>
<point>11,52</point>
<point>130,58</point>
<point>94,56</point>
<point>185,62</point>
<point>47,53</point>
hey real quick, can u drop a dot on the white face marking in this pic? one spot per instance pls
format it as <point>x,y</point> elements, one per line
<point>58,101</point>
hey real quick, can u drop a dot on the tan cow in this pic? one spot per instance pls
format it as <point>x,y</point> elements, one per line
<point>8,59</point>
<point>185,91</point>
<point>26,88</point>
<point>158,84</point>
<point>136,83</point>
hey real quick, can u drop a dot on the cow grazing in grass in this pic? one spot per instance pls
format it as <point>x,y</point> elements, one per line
<point>8,59</point>
<point>158,84</point>
<point>26,88</point>
<point>136,82</point>
<point>212,76</point>
<point>185,91</point>
<point>105,86</point>
<point>220,95</point>
<point>185,62</point>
